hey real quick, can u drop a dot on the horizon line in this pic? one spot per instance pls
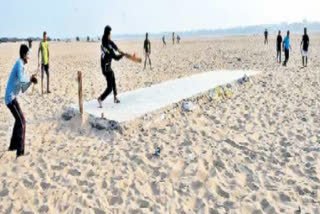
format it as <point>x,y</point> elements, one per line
<point>212,30</point>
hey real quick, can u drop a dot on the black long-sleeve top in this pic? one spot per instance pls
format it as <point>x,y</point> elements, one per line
<point>107,52</point>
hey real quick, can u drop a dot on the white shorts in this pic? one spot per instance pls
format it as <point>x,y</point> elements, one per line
<point>304,53</point>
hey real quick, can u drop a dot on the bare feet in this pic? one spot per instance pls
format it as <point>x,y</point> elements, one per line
<point>100,102</point>
<point>116,100</point>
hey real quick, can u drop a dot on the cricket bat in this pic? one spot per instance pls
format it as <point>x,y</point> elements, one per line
<point>132,57</point>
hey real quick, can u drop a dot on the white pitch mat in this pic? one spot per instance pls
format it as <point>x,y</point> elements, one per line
<point>136,103</point>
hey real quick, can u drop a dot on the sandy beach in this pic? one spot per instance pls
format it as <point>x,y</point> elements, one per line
<point>256,152</point>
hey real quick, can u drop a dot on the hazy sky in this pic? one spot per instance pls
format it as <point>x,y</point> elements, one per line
<point>70,18</point>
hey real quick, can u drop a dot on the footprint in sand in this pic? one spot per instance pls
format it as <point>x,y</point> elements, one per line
<point>221,192</point>
<point>199,206</point>
<point>196,185</point>
<point>4,192</point>
<point>74,172</point>
<point>155,188</point>
<point>57,167</point>
<point>43,209</point>
<point>29,183</point>
<point>40,172</point>
<point>267,208</point>
<point>115,200</point>
<point>284,198</point>
<point>90,173</point>
<point>257,212</point>
<point>44,185</point>
<point>99,211</point>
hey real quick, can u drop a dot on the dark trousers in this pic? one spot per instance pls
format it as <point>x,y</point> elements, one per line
<point>279,55</point>
<point>45,68</point>
<point>147,56</point>
<point>286,54</point>
<point>109,75</point>
<point>19,129</point>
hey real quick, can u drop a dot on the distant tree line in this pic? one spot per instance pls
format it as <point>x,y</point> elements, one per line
<point>249,30</point>
<point>15,39</point>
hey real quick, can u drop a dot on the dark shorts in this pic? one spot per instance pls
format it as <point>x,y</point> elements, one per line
<point>45,68</point>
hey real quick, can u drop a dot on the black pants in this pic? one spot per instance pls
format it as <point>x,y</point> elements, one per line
<point>45,68</point>
<point>286,54</point>
<point>279,55</point>
<point>109,75</point>
<point>147,56</point>
<point>19,129</point>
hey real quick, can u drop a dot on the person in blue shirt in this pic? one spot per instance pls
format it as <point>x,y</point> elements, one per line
<point>286,48</point>
<point>18,81</point>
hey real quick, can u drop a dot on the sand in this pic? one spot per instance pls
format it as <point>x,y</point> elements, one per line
<point>257,152</point>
